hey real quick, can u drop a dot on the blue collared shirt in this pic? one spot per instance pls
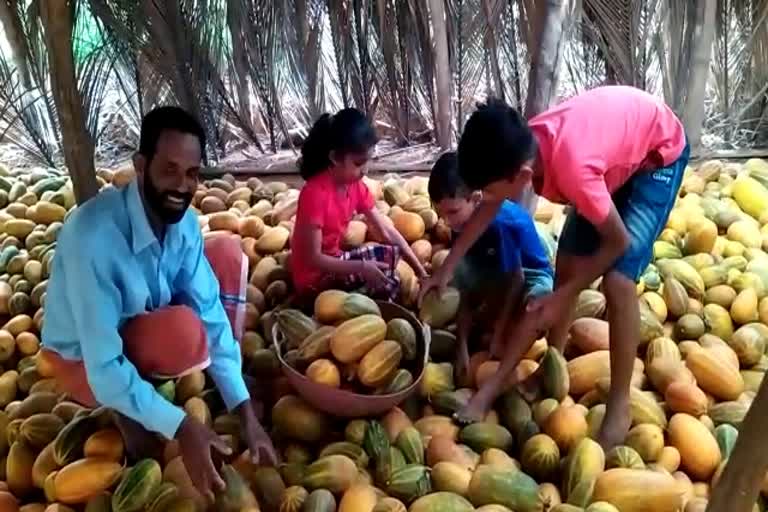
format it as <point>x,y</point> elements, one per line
<point>109,267</point>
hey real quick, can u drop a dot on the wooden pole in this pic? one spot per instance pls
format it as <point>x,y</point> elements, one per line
<point>704,34</point>
<point>56,16</point>
<point>442,73</point>
<point>739,486</point>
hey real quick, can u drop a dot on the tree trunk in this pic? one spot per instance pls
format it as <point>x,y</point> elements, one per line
<point>58,22</point>
<point>546,59</point>
<point>442,73</point>
<point>545,66</point>
<point>11,24</point>
<point>739,486</point>
<point>701,55</point>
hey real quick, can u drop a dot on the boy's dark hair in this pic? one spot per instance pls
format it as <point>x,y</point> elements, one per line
<point>496,142</point>
<point>168,118</point>
<point>349,131</point>
<point>444,180</point>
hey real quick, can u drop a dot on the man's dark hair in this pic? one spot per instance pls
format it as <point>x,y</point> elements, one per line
<point>496,142</point>
<point>163,119</point>
<point>444,180</point>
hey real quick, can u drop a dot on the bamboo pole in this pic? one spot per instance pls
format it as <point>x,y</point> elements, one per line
<point>743,475</point>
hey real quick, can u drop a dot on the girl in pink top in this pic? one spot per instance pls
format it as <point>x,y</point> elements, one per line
<point>617,155</point>
<point>333,161</point>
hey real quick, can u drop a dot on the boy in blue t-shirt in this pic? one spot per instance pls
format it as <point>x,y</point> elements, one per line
<point>504,269</point>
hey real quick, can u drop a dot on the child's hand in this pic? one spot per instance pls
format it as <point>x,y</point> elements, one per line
<point>437,281</point>
<point>373,274</point>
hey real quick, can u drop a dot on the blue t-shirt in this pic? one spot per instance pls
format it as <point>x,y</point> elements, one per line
<point>510,242</point>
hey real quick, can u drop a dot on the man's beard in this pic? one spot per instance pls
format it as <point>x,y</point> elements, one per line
<point>158,202</point>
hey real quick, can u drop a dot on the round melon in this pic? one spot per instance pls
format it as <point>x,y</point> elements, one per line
<point>699,451</point>
<point>567,426</point>
<point>323,371</point>
<point>647,440</point>
<point>540,457</point>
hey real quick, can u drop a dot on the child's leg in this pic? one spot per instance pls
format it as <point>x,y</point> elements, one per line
<point>520,335</point>
<point>504,305</point>
<point>566,268</point>
<point>644,204</point>
<point>463,328</point>
<point>624,322</point>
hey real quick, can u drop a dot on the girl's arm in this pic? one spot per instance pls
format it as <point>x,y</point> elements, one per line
<point>395,238</point>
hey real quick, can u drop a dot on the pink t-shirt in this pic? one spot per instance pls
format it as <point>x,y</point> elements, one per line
<point>323,204</point>
<point>590,145</point>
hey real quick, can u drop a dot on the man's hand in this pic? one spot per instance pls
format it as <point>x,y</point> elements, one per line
<point>259,444</point>
<point>550,308</point>
<point>437,281</point>
<point>195,443</point>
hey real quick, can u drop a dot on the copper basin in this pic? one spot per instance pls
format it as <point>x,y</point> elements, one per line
<point>343,403</point>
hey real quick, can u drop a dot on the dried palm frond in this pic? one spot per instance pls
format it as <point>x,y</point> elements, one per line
<point>306,70</point>
<point>583,60</point>
<point>466,26</point>
<point>739,96</point>
<point>29,115</point>
<point>22,121</point>
<point>423,59</point>
<point>400,60</point>
<point>183,45</point>
<point>265,51</point>
<point>624,30</point>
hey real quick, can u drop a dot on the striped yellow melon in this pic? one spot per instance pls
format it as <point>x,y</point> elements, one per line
<point>329,306</point>
<point>714,375</point>
<point>637,490</point>
<point>379,363</point>
<point>354,338</point>
<point>83,479</point>
<point>699,451</point>
<point>323,371</point>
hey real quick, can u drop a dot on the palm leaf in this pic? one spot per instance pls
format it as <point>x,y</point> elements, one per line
<point>466,52</point>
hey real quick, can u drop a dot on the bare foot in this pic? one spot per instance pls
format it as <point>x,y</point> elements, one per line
<point>477,408</point>
<point>615,426</point>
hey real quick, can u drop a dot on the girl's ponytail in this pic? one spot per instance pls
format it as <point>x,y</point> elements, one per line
<point>317,148</point>
<point>348,132</point>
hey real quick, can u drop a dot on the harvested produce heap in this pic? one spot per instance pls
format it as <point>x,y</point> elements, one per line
<point>704,311</point>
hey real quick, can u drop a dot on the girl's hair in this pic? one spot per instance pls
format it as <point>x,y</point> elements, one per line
<point>347,132</point>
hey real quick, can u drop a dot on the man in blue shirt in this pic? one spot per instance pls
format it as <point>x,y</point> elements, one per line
<point>133,296</point>
<point>504,269</point>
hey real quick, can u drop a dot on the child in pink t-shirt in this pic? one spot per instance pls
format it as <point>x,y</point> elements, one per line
<point>617,155</point>
<point>333,161</point>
